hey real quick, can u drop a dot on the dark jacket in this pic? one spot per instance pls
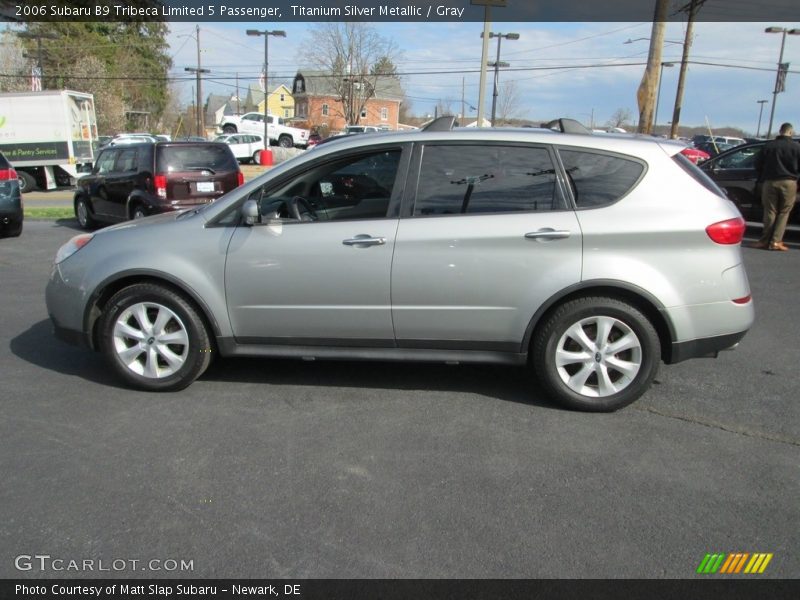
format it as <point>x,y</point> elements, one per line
<point>779,159</point>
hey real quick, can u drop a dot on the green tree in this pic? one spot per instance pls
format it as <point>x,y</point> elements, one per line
<point>124,65</point>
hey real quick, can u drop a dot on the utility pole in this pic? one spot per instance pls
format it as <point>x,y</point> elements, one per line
<point>646,94</point>
<point>760,112</point>
<point>692,8</point>
<point>780,76</point>
<point>38,37</point>
<point>198,72</point>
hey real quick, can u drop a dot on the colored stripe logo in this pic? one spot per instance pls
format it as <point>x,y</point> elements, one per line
<point>734,563</point>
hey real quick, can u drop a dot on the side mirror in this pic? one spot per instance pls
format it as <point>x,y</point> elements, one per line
<point>250,212</point>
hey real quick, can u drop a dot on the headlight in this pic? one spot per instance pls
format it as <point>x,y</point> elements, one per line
<point>72,246</point>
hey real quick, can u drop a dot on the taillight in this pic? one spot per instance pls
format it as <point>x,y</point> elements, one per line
<point>727,232</point>
<point>8,174</point>
<point>160,182</point>
<point>240,178</point>
<point>743,299</point>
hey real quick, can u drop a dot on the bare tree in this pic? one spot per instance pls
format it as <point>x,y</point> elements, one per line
<point>355,56</point>
<point>620,118</point>
<point>508,103</point>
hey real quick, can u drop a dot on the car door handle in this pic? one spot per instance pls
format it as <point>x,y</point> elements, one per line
<point>363,240</point>
<point>548,234</point>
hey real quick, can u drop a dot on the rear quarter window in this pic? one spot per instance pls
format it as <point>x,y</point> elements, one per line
<point>698,175</point>
<point>190,157</point>
<point>598,179</point>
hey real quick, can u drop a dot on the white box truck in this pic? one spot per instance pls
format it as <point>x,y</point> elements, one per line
<point>47,136</point>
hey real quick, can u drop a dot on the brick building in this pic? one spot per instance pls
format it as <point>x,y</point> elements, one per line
<point>317,104</point>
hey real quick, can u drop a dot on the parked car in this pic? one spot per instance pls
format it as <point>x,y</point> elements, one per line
<point>245,146</point>
<point>735,172</point>
<point>714,148</point>
<point>719,139</point>
<point>278,132</point>
<point>11,216</point>
<point>190,138</point>
<point>313,140</point>
<point>695,155</point>
<point>137,180</point>
<point>132,138</point>
<point>351,129</point>
<point>564,253</point>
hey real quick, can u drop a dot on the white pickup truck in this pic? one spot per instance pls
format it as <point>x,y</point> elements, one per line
<point>253,122</point>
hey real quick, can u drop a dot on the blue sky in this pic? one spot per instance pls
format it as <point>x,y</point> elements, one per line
<point>723,95</point>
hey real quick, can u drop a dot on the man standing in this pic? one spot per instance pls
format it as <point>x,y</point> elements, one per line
<point>778,167</point>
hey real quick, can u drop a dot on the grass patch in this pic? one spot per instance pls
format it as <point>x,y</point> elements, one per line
<point>53,212</point>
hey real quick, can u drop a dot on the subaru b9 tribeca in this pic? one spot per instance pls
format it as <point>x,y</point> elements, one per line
<point>589,259</point>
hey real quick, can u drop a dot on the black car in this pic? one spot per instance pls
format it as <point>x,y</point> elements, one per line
<point>137,180</point>
<point>10,200</point>
<point>735,172</point>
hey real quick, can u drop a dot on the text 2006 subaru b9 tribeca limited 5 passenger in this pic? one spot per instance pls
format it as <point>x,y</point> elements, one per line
<point>589,258</point>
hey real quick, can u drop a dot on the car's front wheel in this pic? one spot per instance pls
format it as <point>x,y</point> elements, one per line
<point>84,214</point>
<point>596,354</point>
<point>229,129</point>
<point>154,338</point>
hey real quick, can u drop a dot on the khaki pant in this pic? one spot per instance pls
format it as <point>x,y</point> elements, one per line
<point>778,197</point>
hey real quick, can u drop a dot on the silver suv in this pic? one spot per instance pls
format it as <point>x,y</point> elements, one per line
<point>589,259</point>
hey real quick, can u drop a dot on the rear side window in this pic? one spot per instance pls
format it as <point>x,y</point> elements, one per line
<point>216,157</point>
<point>599,179</point>
<point>465,179</point>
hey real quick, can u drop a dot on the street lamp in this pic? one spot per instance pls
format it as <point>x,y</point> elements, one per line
<point>658,95</point>
<point>497,64</point>
<point>266,154</point>
<point>760,112</point>
<point>781,74</point>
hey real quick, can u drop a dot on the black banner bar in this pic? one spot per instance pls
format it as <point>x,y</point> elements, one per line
<point>402,589</point>
<point>276,11</point>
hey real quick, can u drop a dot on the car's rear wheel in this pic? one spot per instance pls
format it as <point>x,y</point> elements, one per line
<point>138,212</point>
<point>84,214</point>
<point>596,354</point>
<point>154,338</point>
<point>285,141</point>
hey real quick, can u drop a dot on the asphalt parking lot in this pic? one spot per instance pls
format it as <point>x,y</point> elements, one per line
<point>272,468</point>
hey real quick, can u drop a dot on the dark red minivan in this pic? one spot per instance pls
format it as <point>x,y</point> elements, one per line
<point>136,180</point>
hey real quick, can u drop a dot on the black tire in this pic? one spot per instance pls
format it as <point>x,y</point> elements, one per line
<point>138,212</point>
<point>229,129</point>
<point>569,384</point>
<point>83,214</point>
<point>147,365</point>
<point>14,231</point>
<point>285,141</point>
<point>27,182</point>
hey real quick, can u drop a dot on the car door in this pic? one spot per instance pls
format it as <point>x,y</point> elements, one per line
<point>96,184</point>
<point>253,123</point>
<point>239,146</point>
<point>316,269</point>
<point>735,172</point>
<point>121,181</point>
<point>487,237</point>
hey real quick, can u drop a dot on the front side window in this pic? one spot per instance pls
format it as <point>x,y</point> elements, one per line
<point>464,179</point>
<point>599,179</point>
<point>356,187</point>
<point>105,162</point>
<point>740,159</point>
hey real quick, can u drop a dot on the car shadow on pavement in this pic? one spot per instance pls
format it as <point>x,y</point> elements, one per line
<point>507,383</point>
<point>39,347</point>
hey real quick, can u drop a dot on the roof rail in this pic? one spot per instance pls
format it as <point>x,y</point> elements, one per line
<point>444,123</point>
<point>567,126</point>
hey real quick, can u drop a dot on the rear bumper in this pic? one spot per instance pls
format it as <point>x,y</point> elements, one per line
<point>704,347</point>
